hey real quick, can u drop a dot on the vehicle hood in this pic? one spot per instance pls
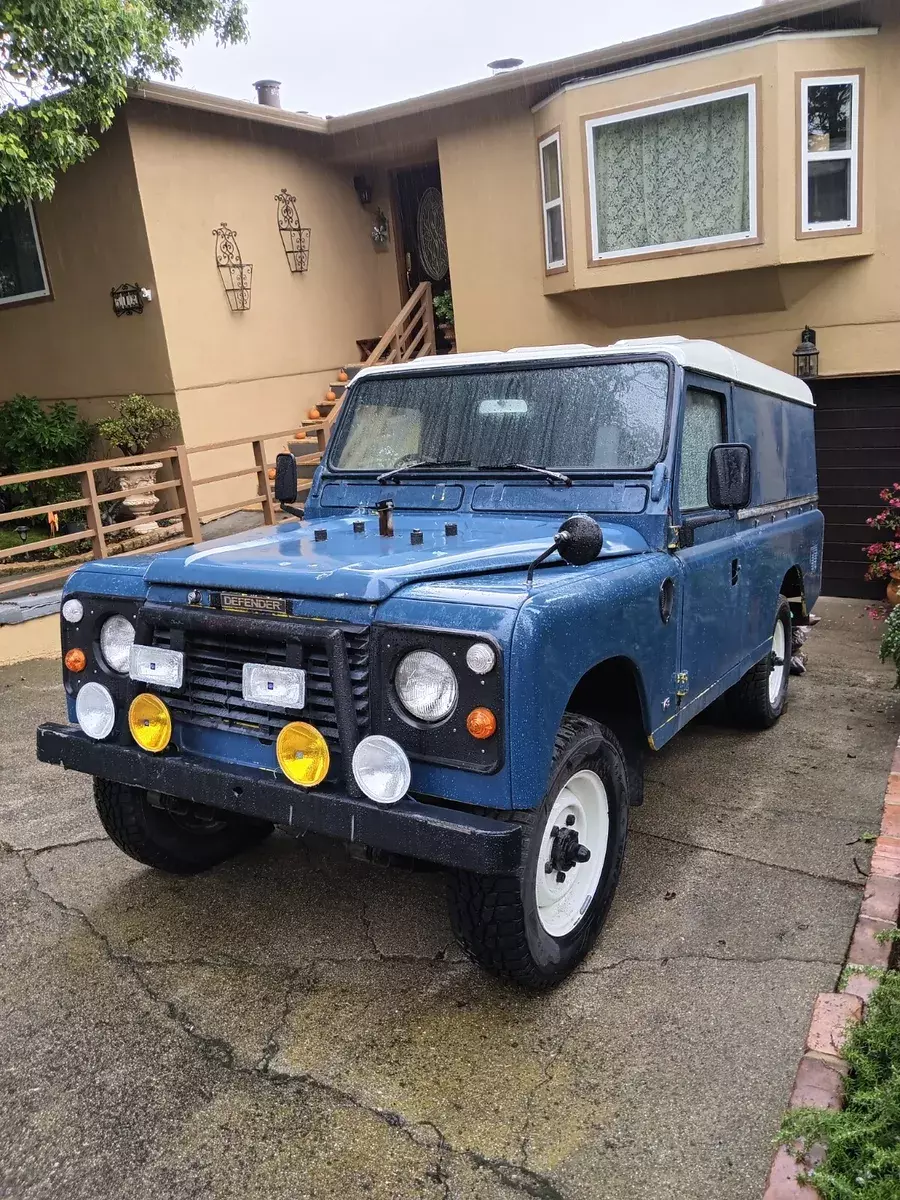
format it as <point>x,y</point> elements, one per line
<point>364,566</point>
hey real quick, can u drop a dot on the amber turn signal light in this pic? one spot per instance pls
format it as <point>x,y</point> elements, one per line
<point>481,723</point>
<point>75,660</point>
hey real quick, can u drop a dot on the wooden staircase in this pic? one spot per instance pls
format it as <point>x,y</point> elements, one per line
<point>410,335</point>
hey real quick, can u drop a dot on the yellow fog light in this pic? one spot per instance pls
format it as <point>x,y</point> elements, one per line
<point>150,722</point>
<point>302,754</point>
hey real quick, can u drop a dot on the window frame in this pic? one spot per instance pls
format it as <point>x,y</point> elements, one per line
<point>557,266</point>
<point>722,391</point>
<point>45,293</point>
<point>805,227</point>
<point>749,88</point>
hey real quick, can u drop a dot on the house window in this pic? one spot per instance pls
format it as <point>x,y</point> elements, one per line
<point>829,117</point>
<point>674,176</point>
<point>22,272</point>
<point>704,427</point>
<point>552,202</point>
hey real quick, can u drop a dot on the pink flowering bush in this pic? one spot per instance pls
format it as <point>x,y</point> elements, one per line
<point>884,556</point>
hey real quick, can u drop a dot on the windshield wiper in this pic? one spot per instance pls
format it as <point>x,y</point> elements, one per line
<point>553,476</point>
<point>387,476</point>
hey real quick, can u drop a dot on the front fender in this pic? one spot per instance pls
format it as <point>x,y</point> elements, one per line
<point>593,614</point>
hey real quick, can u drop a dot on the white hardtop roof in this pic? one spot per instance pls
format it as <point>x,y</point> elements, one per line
<point>692,353</point>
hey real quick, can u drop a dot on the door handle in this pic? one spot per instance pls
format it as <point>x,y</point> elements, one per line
<point>735,570</point>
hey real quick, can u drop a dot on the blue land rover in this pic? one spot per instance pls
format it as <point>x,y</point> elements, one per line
<point>515,572</point>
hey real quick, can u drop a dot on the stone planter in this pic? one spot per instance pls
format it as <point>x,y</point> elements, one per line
<point>893,589</point>
<point>133,479</point>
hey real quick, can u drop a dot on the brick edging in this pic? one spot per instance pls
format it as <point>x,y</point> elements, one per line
<point>819,1082</point>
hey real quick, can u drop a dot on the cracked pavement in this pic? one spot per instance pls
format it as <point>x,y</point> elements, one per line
<point>297,1024</point>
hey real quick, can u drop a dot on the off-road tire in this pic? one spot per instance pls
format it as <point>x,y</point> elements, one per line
<point>748,703</point>
<point>494,917</point>
<point>158,839</point>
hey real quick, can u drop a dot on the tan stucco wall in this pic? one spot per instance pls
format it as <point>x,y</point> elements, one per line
<point>73,346</point>
<point>31,639</point>
<point>754,298</point>
<point>261,370</point>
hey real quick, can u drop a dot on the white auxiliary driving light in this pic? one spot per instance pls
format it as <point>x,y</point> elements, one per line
<point>116,640</point>
<point>72,611</point>
<point>381,769</point>
<point>95,711</point>
<point>152,664</point>
<point>480,658</point>
<point>277,687</point>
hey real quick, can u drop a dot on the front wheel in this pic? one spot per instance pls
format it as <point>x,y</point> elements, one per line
<point>536,926</point>
<point>171,835</point>
<point>758,699</point>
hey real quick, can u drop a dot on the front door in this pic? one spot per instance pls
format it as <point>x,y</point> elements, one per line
<point>712,621</point>
<point>420,214</point>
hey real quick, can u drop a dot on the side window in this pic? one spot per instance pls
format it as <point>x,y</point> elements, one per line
<point>704,427</point>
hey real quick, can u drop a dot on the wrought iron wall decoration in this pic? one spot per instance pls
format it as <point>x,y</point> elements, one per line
<point>236,275</point>
<point>294,237</point>
<point>127,299</point>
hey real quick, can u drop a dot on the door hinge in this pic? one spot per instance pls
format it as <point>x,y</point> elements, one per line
<point>682,684</point>
<point>674,537</point>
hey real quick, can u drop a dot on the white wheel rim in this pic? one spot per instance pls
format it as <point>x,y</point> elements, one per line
<point>561,905</point>
<point>779,662</point>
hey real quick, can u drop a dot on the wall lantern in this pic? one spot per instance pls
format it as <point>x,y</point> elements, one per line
<point>363,189</point>
<point>236,275</point>
<point>294,237</point>
<point>128,299</point>
<point>806,356</point>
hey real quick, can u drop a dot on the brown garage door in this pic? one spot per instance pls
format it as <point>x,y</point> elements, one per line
<point>858,451</point>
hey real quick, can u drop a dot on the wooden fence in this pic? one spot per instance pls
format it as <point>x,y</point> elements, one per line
<point>410,335</point>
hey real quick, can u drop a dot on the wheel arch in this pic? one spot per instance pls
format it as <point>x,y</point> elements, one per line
<point>793,588</point>
<point>612,692</point>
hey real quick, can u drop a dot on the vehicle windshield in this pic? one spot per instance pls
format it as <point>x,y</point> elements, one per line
<point>596,416</point>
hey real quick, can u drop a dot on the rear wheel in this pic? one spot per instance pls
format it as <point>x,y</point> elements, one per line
<point>172,835</point>
<point>760,697</point>
<point>536,926</point>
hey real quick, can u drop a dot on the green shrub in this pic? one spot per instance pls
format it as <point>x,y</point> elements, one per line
<point>890,641</point>
<point>139,423</point>
<point>443,308</point>
<point>862,1161</point>
<point>35,438</point>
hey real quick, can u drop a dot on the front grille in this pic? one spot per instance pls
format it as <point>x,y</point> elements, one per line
<point>211,696</point>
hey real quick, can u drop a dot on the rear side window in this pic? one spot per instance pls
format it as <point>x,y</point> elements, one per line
<point>704,427</point>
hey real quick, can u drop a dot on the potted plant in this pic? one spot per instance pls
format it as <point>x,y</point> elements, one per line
<point>139,423</point>
<point>443,310</point>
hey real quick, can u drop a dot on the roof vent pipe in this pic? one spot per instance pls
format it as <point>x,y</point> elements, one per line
<point>501,65</point>
<point>268,92</point>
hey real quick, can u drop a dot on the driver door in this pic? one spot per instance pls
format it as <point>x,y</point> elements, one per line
<point>711,641</point>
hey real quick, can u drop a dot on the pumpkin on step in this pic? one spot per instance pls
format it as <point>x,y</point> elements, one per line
<point>271,472</point>
<point>314,414</point>
<point>330,396</point>
<point>342,376</point>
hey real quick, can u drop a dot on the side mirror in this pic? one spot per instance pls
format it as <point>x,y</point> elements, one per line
<point>285,479</point>
<point>579,540</point>
<point>729,476</point>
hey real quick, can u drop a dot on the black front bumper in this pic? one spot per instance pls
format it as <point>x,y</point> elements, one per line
<point>441,835</point>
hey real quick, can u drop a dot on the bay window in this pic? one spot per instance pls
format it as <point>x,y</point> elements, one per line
<point>675,176</point>
<point>552,203</point>
<point>830,136</point>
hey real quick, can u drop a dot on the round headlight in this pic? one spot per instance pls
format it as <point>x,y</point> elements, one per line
<point>73,611</point>
<point>480,658</point>
<point>116,640</point>
<point>426,686</point>
<point>303,754</point>
<point>95,711</point>
<point>381,769</point>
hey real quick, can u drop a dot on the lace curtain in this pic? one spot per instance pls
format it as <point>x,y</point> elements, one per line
<point>673,177</point>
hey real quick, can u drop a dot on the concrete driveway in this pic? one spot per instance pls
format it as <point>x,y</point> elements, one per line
<point>295,1024</point>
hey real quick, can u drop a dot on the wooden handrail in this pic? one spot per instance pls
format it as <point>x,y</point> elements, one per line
<point>421,296</point>
<point>99,465</point>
